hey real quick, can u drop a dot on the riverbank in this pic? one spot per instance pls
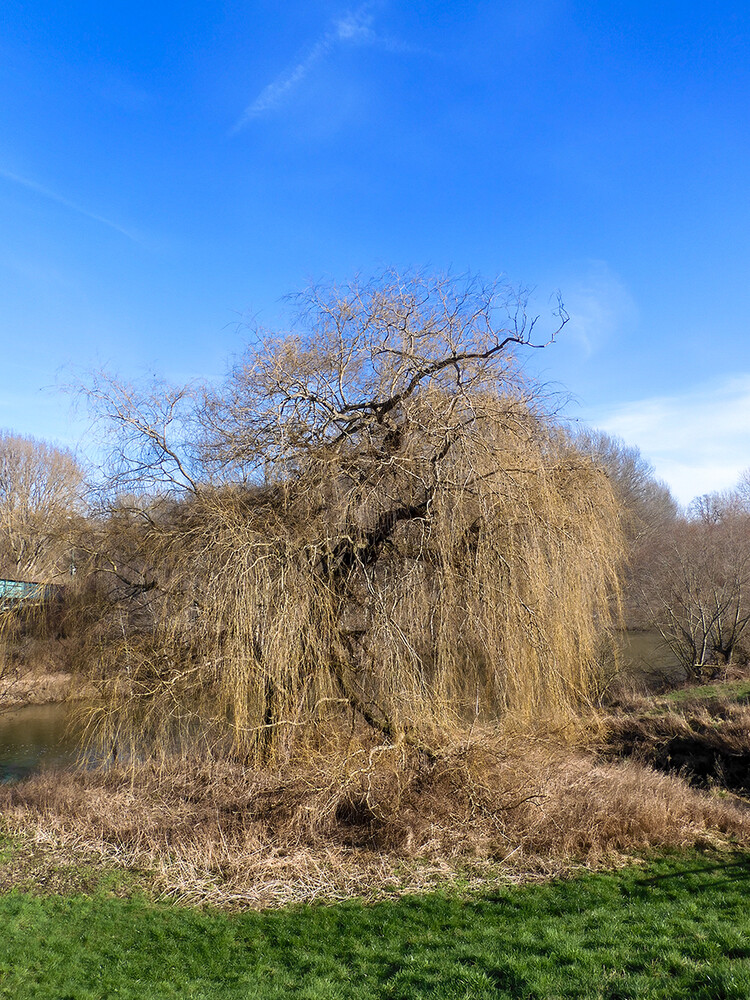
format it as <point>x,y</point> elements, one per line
<point>361,818</point>
<point>36,688</point>
<point>39,671</point>
<point>371,822</point>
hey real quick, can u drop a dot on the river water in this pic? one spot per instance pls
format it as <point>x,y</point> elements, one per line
<point>36,737</point>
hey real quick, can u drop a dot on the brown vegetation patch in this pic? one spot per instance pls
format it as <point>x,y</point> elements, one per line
<point>34,688</point>
<point>38,670</point>
<point>708,743</point>
<point>383,819</point>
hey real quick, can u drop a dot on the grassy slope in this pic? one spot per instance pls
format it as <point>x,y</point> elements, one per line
<point>701,731</point>
<point>729,691</point>
<point>679,927</point>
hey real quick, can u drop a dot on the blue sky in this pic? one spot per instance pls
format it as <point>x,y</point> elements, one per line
<point>167,170</point>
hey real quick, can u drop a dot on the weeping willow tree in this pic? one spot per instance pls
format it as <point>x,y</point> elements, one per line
<point>370,520</point>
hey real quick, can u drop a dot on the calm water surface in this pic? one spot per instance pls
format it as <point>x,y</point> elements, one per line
<point>645,654</point>
<point>37,737</point>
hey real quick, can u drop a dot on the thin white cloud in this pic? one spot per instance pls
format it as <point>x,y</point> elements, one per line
<point>273,95</point>
<point>355,28</point>
<point>599,305</point>
<point>66,203</point>
<point>697,442</point>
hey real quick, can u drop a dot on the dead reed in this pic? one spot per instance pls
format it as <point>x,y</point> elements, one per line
<point>378,819</point>
<point>706,740</point>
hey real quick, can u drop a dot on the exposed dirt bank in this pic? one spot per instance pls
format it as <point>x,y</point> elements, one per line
<point>706,753</point>
<point>36,689</point>
<point>700,732</point>
<point>39,671</point>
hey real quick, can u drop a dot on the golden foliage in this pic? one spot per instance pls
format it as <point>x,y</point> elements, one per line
<point>379,525</point>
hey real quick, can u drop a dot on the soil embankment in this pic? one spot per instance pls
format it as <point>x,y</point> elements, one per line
<point>34,688</point>
<point>38,672</point>
<point>701,733</point>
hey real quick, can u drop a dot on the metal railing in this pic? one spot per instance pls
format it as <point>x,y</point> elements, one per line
<point>23,593</point>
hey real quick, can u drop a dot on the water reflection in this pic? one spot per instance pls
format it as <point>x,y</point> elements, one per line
<point>37,737</point>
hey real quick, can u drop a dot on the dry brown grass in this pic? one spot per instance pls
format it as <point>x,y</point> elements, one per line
<point>35,668</point>
<point>35,688</point>
<point>378,820</point>
<point>42,646</point>
<point>707,741</point>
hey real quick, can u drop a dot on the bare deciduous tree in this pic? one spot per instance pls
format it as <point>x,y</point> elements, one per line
<point>40,489</point>
<point>648,512</point>
<point>713,508</point>
<point>743,491</point>
<point>699,586</point>
<point>647,503</point>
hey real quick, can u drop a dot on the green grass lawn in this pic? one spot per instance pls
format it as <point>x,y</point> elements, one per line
<point>731,691</point>
<point>678,927</point>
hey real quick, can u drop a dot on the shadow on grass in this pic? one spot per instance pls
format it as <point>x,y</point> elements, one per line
<point>736,870</point>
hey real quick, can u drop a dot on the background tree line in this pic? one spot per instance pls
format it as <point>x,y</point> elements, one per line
<point>687,574</point>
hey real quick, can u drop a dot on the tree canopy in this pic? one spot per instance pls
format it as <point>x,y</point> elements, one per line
<point>40,490</point>
<point>371,517</point>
